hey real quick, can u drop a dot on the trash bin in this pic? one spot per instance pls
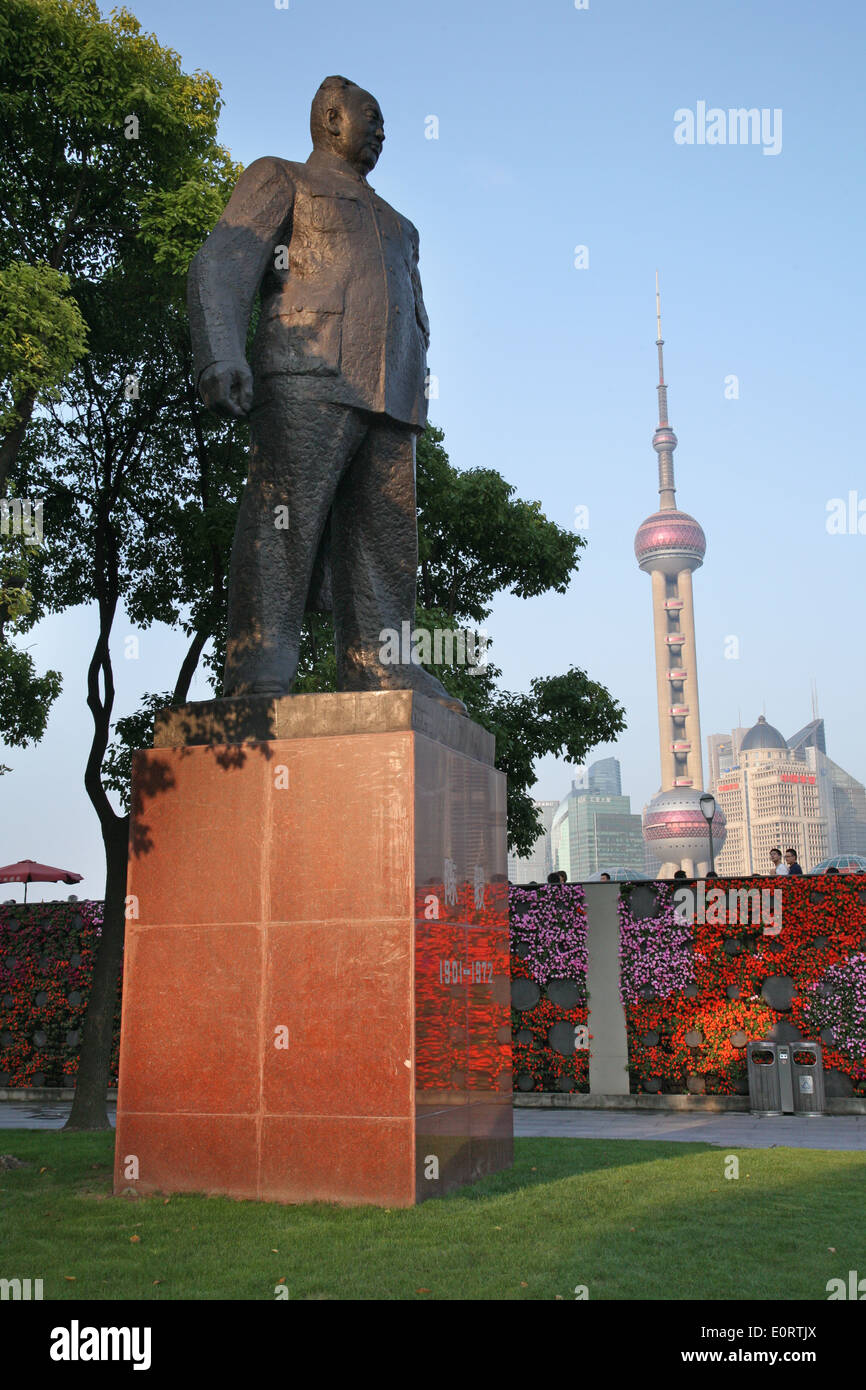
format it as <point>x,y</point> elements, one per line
<point>786,1078</point>
<point>765,1092</point>
<point>807,1066</point>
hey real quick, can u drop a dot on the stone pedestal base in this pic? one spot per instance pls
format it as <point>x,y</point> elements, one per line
<point>316,1000</point>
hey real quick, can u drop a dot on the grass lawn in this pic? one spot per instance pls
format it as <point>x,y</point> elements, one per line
<point>628,1219</point>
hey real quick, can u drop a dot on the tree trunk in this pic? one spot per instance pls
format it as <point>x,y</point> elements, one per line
<point>88,1107</point>
<point>11,442</point>
<point>188,666</point>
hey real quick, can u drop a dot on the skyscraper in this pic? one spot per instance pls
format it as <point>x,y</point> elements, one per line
<point>669,545</point>
<point>771,799</point>
<point>723,753</point>
<point>535,867</point>
<point>592,831</point>
<point>846,805</point>
<point>605,776</point>
<point>779,792</point>
<point>843,797</point>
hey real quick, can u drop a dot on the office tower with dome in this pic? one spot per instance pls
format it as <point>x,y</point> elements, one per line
<point>777,792</point>
<point>669,546</point>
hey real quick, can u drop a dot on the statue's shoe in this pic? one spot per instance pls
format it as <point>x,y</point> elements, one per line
<point>271,689</point>
<point>420,681</point>
<point>436,691</point>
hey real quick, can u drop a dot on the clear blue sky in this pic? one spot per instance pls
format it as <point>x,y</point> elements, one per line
<point>556,129</point>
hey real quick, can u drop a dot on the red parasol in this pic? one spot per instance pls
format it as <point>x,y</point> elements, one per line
<point>28,871</point>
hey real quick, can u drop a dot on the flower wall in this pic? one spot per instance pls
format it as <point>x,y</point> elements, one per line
<point>694,992</point>
<point>46,962</point>
<point>698,981</point>
<point>548,988</point>
<point>462,1019</point>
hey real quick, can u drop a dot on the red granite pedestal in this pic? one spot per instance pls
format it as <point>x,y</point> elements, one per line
<point>316,998</point>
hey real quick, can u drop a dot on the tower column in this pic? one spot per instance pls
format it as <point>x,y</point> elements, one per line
<point>663,687</point>
<point>694,760</point>
<point>667,495</point>
<point>669,545</point>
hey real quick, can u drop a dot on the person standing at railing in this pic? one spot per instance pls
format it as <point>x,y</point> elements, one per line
<point>776,861</point>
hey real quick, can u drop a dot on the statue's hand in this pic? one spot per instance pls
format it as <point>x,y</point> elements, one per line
<point>227,389</point>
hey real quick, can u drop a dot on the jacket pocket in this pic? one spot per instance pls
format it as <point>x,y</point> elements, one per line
<point>301,335</point>
<point>334,214</point>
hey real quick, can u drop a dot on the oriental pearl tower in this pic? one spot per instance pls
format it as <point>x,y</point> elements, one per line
<point>669,545</point>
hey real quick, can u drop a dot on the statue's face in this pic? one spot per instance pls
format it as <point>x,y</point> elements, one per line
<point>357,129</point>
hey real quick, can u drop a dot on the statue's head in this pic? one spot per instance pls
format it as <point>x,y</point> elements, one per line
<point>346,120</point>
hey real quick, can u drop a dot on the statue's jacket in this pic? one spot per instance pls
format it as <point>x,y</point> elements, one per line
<point>341,305</point>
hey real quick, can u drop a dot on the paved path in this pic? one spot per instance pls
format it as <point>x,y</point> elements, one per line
<point>731,1131</point>
<point>35,1114</point>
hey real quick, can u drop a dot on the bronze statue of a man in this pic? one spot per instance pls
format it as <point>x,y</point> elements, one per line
<point>335,400</point>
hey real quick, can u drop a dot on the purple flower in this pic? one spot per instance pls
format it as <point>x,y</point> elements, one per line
<point>654,952</point>
<point>838,1001</point>
<point>548,931</point>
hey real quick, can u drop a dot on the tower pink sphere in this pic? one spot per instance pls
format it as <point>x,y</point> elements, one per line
<point>671,541</point>
<point>674,826</point>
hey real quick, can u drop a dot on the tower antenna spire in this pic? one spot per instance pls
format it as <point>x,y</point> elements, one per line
<point>659,339</point>
<point>664,439</point>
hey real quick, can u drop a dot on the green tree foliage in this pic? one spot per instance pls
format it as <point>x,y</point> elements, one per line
<point>477,539</point>
<point>108,166</point>
<point>25,697</point>
<point>41,334</point>
<point>111,175</point>
<point>141,486</point>
<point>106,146</point>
